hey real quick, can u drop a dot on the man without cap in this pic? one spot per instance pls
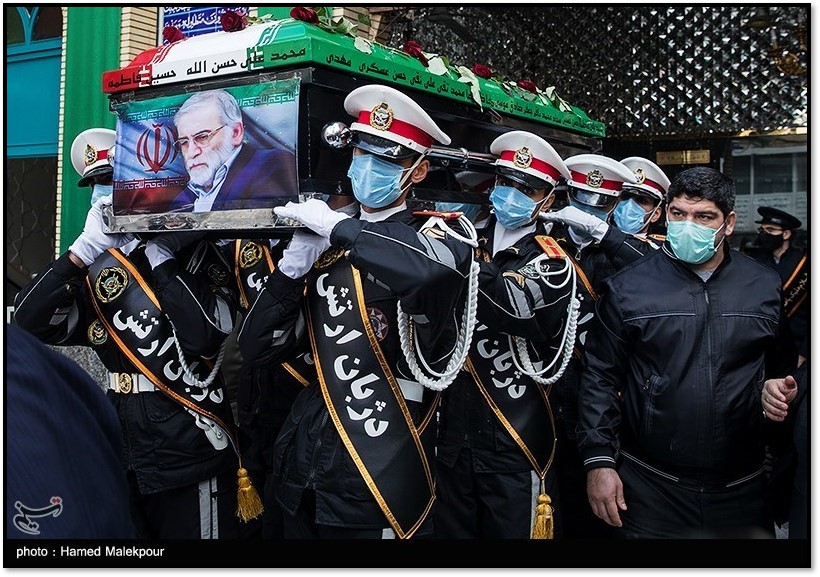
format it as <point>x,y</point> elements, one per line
<point>495,470</point>
<point>775,238</point>
<point>373,298</point>
<point>225,172</point>
<point>593,190</point>
<point>157,314</point>
<point>670,427</point>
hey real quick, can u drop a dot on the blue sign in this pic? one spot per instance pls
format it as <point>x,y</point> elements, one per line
<point>195,20</point>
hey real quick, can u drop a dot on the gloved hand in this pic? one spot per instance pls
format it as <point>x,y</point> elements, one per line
<point>92,242</point>
<point>304,249</point>
<point>164,245</point>
<point>581,221</point>
<point>314,214</point>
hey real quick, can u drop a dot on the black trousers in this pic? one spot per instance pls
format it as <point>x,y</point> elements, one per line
<point>204,510</point>
<point>473,505</point>
<point>658,508</point>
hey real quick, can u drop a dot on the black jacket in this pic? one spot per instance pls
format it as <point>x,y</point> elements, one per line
<point>675,369</point>
<point>395,262</point>
<point>161,442</point>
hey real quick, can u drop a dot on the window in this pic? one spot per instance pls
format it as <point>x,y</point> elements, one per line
<point>31,23</point>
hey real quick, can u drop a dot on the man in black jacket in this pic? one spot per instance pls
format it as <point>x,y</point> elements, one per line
<point>670,412</point>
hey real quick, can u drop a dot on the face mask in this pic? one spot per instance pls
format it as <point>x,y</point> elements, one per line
<point>769,241</point>
<point>470,210</point>
<point>513,209</point>
<point>629,216</point>
<point>692,242</point>
<point>601,213</point>
<point>100,190</point>
<point>376,182</point>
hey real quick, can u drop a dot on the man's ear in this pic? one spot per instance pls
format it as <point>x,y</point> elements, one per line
<point>657,214</point>
<point>730,223</point>
<point>548,203</point>
<point>420,172</point>
<point>237,133</point>
<point>787,234</point>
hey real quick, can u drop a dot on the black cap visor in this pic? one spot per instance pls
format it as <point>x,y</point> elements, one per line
<point>595,199</point>
<point>527,180</point>
<point>381,147</point>
<point>99,171</point>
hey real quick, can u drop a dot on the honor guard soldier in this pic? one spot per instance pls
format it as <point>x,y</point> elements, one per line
<point>775,249</point>
<point>593,191</point>
<point>641,203</point>
<point>157,317</point>
<point>373,298</point>
<point>495,459</point>
<point>91,155</point>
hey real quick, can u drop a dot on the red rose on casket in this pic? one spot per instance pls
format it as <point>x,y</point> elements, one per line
<point>527,85</point>
<point>233,21</point>
<point>171,34</point>
<point>482,71</point>
<point>308,15</point>
<point>412,48</point>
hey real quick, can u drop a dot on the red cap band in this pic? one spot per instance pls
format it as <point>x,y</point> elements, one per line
<point>654,185</point>
<point>537,164</point>
<point>401,128</point>
<point>581,178</point>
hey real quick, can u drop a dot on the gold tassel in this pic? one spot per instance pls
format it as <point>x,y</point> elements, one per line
<point>542,527</point>
<point>250,505</point>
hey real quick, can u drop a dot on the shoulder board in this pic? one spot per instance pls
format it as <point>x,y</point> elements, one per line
<point>550,247</point>
<point>658,237</point>
<point>432,213</point>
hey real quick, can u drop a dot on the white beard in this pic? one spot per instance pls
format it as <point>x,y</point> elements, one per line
<point>203,176</point>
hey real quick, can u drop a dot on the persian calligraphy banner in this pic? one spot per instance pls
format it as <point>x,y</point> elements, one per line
<point>195,20</point>
<point>223,149</point>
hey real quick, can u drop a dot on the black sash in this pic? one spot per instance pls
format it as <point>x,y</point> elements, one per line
<point>392,454</point>
<point>130,312</point>
<point>519,403</point>
<point>252,265</point>
<point>796,287</point>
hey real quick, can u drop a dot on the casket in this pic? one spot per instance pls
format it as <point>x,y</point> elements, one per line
<point>288,79</point>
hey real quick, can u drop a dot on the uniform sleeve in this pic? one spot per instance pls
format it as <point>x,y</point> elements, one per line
<point>54,304</point>
<point>273,330</point>
<point>622,248</point>
<point>429,275</point>
<point>598,400</point>
<point>516,300</point>
<point>202,314</point>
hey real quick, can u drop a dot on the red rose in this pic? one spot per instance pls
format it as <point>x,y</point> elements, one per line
<point>304,14</point>
<point>482,71</point>
<point>528,85</point>
<point>232,21</point>
<point>412,48</point>
<point>172,34</point>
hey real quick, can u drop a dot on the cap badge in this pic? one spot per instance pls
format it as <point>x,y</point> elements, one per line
<point>641,176</point>
<point>97,334</point>
<point>522,157</point>
<point>110,283</point>
<point>381,117</point>
<point>90,155</point>
<point>595,178</point>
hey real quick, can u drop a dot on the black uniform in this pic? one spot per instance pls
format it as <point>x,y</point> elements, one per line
<point>595,263</point>
<point>486,483</point>
<point>319,483</point>
<point>176,474</point>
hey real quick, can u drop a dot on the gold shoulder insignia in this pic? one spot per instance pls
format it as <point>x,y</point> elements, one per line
<point>482,253</point>
<point>440,214</point>
<point>329,257</point>
<point>658,237</point>
<point>516,276</point>
<point>550,247</point>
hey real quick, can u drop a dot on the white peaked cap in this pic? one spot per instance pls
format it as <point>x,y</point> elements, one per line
<point>529,153</point>
<point>651,178</point>
<point>385,112</point>
<point>598,173</point>
<point>89,153</point>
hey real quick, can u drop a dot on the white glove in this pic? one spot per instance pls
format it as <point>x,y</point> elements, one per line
<point>92,242</point>
<point>304,249</point>
<point>581,221</point>
<point>163,246</point>
<point>313,213</point>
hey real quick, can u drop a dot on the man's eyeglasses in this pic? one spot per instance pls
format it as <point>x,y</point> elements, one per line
<point>200,138</point>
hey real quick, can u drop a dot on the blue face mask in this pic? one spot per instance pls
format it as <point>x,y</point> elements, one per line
<point>100,190</point>
<point>376,182</point>
<point>470,210</point>
<point>513,209</point>
<point>601,213</point>
<point>692,242</point>
<point>629,216</point>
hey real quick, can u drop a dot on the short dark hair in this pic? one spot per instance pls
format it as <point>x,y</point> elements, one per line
<point>702,182</point>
